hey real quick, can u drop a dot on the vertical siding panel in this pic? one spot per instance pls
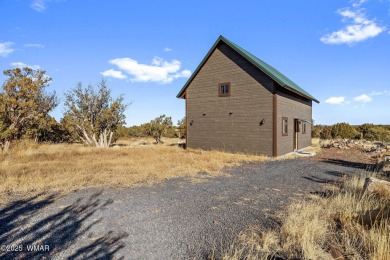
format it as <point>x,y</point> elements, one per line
<point>293,107</point>
<point>186,97</point>
<point>251,101</point>
<point>275,125</point>
<point>233,123</point>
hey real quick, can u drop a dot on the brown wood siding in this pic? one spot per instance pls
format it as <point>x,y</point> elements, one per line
<point>275,124</point>
<point>230,123</point>
<point>294,107</point>
<point>185,94</point>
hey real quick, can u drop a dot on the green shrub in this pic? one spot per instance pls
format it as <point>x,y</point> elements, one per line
<point>344,130</point>
<point>182,127</point>
<point>378,133</point>
<point>326,132</point>
<point>136,131</point>
<point>171,132</point>
<point>364,128</point>
<point>316,131</point>
<point>158,127</point>
<point>385,126</point>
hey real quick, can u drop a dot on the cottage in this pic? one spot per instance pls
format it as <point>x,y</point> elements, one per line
<point>238,103</point>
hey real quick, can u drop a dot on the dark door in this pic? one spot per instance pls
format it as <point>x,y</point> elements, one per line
<point>297,123</point>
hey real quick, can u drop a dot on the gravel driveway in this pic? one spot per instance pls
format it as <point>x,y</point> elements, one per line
<point>180,219</point>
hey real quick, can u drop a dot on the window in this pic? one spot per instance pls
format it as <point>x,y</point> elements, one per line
<point>284,126</point>
<point>303,127</point>
<point>224,89</point>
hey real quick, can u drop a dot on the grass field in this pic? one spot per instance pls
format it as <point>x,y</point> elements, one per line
<point>29,167</point>
<point>344,223</point>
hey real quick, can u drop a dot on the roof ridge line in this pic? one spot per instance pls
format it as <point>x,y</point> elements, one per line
<point>269,70</point>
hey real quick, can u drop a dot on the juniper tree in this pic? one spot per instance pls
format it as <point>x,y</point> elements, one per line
<point>24,104</point>
<point>157,127</point>
<point>94,113</point>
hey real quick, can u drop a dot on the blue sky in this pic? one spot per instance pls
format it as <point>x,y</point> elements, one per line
<point>338,51</point>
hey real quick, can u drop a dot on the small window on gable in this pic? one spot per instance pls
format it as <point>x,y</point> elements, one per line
<point>224,89</point>
<point>284,126</point>
<point>303,127</point>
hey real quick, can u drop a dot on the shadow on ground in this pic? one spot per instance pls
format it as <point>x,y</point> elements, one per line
<point>335,176</point>
<point>330,177</point>
<point>55,231</point>
<point>350,164</point>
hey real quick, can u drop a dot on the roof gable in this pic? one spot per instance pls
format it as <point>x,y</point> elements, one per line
<point>273,73</point>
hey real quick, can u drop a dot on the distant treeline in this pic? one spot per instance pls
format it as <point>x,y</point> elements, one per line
<point>161,126</point>
<point>346,131</point>
<point>92,116</point>
<point>52,131</point>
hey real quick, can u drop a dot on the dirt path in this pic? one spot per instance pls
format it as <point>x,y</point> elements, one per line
<point>177,220</point>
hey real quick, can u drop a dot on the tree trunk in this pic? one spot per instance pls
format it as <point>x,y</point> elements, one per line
<point>110,139</point>
<point>85,139</point>
<point>94,140</point>
<point>5,146</point>
<point>105,138</point>
<point>100,142</point>
<point>158,139</point>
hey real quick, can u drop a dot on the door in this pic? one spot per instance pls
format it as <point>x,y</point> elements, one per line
<point>297,126</point>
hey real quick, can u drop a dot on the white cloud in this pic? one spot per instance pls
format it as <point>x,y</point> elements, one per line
<point>38,5</point>
<point>183,74</point>
<point>41,5</point>
<point>376,93</point>
<point>167,49</point>
<point>363,98</point>
<point>358,3</point>
<point>34,45</point>
<point>379,93</point>
<point>159,70</point>
<point>23,65</point>
<point>335,100</point>
<point>5,48</point>
<point>359,29</point>
<point>114,74</point>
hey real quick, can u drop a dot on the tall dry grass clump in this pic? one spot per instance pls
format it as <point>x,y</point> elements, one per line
<point>63,167</point>
<point>346,224</point>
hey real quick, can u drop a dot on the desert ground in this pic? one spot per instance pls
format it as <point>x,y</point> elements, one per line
<point>142,201</point>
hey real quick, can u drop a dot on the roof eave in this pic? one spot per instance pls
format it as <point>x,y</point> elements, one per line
<point>267,72</point>
<point>181,93</point>
<point>300,94</point>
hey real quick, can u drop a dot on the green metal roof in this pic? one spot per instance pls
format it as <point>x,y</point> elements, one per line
<point>276,75</point>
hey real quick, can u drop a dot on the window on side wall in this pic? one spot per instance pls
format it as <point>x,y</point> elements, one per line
<point>284,126</point>
<point>224,89</point>
<point>303,127</point>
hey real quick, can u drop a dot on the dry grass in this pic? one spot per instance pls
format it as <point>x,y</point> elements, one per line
<point>345,223</point>
<point>62,167</point>
<point>315,142</point>
<point>315,146</point>
<point>137,141</point>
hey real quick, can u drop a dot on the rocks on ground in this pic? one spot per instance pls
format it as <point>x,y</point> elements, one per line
<point>375,149</point>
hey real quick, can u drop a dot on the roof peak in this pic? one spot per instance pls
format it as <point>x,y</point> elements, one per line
<point>273,73</point>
